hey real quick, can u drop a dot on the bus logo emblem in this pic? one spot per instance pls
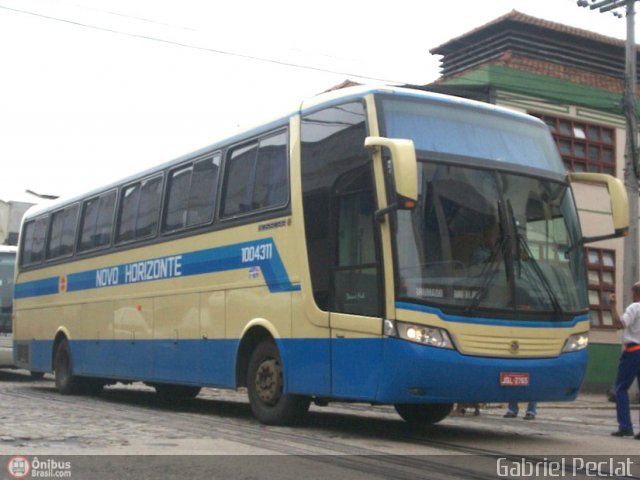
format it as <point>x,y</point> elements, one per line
<point>514,347</point>
<point>18,467</point>
<point>254,272</point>
<point>63,283</point>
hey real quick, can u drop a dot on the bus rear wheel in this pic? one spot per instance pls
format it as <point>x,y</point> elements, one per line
<point>66,382</point>
<point>265,384</point>
<point>421,415</point>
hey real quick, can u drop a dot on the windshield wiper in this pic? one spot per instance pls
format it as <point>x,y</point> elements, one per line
<point>543,278</point>
<point>488,271</point>
<point>521,243</point>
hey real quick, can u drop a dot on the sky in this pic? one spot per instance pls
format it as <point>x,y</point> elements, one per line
<point>95,90</point>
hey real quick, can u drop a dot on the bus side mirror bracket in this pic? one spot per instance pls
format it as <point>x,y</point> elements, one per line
<point>405,172</point>
<point>619,202</point>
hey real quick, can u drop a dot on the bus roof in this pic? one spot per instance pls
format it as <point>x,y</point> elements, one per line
<point>338,96</point>
<point>317,102</point>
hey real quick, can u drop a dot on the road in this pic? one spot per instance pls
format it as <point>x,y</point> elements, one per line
<point>216,431</point>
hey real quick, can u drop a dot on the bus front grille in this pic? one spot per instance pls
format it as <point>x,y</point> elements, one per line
<point>509,346</point>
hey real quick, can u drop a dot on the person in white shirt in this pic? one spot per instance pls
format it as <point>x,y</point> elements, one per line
<point>629,366</point>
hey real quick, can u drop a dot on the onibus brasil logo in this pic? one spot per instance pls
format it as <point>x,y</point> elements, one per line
<point>19,467</point>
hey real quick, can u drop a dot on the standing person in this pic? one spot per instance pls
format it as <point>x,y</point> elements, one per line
<point>629,366</point>
<point>512,411</point>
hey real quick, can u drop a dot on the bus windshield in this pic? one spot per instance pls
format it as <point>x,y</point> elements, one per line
<point>7,262</point>
<point>483,239</point>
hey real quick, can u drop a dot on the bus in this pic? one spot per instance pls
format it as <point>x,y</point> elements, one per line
<point>377,245</point>
<point>7,264</point>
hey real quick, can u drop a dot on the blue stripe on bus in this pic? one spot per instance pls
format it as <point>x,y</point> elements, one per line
<point>262,254</point>
<point>490,321</point>
<point>36,288</point>
<point>393,370</point>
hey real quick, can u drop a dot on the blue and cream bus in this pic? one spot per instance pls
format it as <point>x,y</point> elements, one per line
<point>378,245</point>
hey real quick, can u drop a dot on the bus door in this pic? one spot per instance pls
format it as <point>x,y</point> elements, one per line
<point>343,243</point>
<point>356,289</point>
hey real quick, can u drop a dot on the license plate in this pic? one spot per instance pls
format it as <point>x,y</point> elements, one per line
<point>514,379</point>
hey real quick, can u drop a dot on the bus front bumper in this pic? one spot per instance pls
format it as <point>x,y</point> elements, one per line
<point>415,373</point>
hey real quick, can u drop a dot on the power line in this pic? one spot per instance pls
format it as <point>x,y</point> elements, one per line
<point>201,48</point>
<point>124,15</point>
<point>246,56</point>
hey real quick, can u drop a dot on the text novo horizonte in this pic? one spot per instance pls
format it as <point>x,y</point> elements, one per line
<point>156,269</point>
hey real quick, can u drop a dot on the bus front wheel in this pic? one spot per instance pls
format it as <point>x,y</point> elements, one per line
<point>423,414</point>
<point>265,384</point>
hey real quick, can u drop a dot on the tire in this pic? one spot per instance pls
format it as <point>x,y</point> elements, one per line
<point>265,385</point>
<point>421,415</point>
<point>176,392</point>
<point>66,382</point>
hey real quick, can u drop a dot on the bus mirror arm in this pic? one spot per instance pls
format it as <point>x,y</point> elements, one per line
<point>401,204</point>
<point>382,212</point>
<point>584,240</point>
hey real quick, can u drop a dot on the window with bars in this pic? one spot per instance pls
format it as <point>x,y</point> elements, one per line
<point>601,282</point>
<point>584,147</point>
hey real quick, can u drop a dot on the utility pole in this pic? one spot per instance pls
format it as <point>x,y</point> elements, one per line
<point>631,166</point>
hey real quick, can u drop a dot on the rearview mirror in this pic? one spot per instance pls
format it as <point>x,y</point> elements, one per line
<point>617,196</point>
<point>405,167</point>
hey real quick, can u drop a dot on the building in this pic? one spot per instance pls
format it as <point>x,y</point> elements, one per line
<point>574,80</point>
<point>11,213</point>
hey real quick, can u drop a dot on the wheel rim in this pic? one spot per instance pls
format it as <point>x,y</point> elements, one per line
<point>269,382</point>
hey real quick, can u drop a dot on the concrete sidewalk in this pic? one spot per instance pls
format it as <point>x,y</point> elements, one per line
<point>585,401</point>
<point>591,401</point>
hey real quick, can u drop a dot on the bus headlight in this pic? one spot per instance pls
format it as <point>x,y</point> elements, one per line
<point>423,334</point>
<point>577,341</point>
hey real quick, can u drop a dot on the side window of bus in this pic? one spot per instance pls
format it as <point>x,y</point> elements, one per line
<point>192,194</point>
<point>149,208</point>
<point>271,186</point>
<point>338,201</point>
<point>139,210</point>
<point>256,176</point>
<point>35,233</point>
<point>97,221</point>
<point>62,232</point>
<point>129,199</point>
